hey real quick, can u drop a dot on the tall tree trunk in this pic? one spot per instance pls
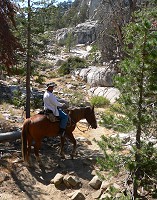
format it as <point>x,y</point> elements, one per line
<point>28,63</point>
<point>139,127</point>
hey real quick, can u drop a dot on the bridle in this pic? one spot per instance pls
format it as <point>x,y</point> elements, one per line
<point>83,131</point>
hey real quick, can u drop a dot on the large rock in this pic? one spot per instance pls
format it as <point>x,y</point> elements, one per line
<point>111,93</point>
<point>78,195</point>
<point>96,76</point>
<point>57,180</point>
<point>100,77</point>
<point>70,180</point>
<point>95,182</point>
<point>83,33</point>
<point>92,6</point>
<point>86,32</point>
<point>62,34</point>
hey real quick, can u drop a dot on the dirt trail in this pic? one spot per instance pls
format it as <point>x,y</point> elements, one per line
<point>22,183</point>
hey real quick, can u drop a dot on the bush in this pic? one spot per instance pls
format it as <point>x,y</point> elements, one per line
<point>18,99</point>
<point>40,79</point>
<point>116,122</point>
<point>99,101</point>
<point>77,99</point>
<point>36,102</point>
<point>71,64</point>
<point>116,107</point>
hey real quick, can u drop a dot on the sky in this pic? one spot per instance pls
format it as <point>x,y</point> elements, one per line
<point>61,1</point>
<point>25,1</point>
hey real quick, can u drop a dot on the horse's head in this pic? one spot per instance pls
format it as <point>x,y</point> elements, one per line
<point>90,117</point>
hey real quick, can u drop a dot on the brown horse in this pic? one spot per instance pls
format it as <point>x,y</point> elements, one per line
<point>38,126</point>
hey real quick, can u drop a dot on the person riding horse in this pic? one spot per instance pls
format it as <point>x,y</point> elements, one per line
<point>51,104</point>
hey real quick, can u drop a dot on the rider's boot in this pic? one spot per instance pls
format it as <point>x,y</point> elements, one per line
<point>62,132</point>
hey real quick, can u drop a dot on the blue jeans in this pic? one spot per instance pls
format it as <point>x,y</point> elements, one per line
<point>63,118</point>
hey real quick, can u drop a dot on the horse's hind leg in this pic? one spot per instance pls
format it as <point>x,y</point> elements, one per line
<point>62,148</point>
<point>37,146</point>
<point>72,140</point>
<point>28,157</point>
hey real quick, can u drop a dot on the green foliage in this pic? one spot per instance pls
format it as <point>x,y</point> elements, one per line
<point>94,53</point>
<point>18,99</point>
<point>75,15</point>
<point>138,85</point>
<point>99,101</point>
<point>115,121</point>
<point>76,99</point>
<point>117,107</point>
<point>113,159</point>
<point>70,41</point>
<point>113,191</point>
<point>19,70</point>
<point>94,49</point>
<point>71,64</point>
<point>36,102</point>
<point>39,79</point>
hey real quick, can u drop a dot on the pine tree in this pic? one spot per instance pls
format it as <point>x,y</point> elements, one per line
<point>9,45</point>
<point>138,85</point>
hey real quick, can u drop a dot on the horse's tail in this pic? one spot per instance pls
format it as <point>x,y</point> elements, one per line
<point>25,131</point>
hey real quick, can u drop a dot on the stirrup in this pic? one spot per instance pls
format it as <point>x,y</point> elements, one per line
<point>62,132</point>
<point>62,135</point>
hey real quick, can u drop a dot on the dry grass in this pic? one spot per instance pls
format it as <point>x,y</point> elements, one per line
<point>5,126</point>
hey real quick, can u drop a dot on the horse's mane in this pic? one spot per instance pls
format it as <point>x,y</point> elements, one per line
<point>70,109</point>
<point>77,108</point>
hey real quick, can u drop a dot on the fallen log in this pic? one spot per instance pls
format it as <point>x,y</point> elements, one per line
<point>10,136</point>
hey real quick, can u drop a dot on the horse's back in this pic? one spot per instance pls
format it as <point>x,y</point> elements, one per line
<point>38,118</point>
<point>41,126</point>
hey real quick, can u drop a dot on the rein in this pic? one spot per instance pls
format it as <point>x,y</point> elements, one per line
<point>83,131</point>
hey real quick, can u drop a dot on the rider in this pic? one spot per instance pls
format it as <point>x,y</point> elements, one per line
<point>51,103</point>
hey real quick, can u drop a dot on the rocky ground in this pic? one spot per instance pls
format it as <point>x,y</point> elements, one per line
<point>19,182</point>
<point>55,179</point>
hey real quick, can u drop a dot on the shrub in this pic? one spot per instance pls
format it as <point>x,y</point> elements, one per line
<point>36,102</point>
<point>76,99</point>
<point>116,122</point>
<point>18,99</point>
<point>117,107</point>
<point>71,64</point>
<point>40,79</point>
<point>99,101</point>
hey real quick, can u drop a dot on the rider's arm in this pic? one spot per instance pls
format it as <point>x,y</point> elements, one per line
<point>54,101</point>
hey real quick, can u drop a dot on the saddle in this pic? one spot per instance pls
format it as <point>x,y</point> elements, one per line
<point>50,116</point>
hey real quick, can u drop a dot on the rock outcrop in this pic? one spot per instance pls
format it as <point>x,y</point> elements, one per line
<point>84,33</point>
<point>92,7</point>
<point>96,76</point>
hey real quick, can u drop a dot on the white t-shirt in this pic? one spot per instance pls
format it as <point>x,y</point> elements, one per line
<point>51,102</point>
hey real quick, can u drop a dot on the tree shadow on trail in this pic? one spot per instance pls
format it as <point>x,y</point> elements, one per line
<point>81,166</point>
<point>26,181</point>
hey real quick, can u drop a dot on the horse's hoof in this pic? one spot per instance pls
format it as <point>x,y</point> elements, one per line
<point>27,164</point>
<point>62,156</point>
<point>30,166</point>
<point>40,164</point>
<point>72,156</point>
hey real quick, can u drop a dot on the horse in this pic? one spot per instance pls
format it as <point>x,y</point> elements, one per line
<point>39,126</point>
